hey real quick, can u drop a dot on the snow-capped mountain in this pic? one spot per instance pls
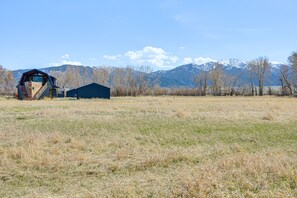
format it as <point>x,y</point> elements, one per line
<point>207,64</point>
<point>184,75</point>
<point>233,62</point>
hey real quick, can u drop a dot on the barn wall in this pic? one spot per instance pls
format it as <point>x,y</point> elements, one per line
<point>46,93</point>
<point>35,87</point>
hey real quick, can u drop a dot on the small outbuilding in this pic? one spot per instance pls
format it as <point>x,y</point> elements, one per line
<point>92,90</point>
<point>35,84</point>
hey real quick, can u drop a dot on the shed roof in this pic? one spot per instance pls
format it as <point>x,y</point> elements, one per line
<point>90,85</point>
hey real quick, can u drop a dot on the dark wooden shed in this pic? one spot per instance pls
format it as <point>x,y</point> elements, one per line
<point>92,90</point>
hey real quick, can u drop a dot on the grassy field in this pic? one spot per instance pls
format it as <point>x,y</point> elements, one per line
<point>149,147</point>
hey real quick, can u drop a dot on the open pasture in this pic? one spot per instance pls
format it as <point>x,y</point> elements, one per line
<point>149,147</point>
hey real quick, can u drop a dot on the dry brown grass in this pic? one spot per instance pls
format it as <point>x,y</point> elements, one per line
<point>149,147</point>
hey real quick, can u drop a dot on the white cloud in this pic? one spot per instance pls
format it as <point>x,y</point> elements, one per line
<point>198,60</point>
<point>202,60</point>
<point>114,57</point>
<point>173,59</point>
<point>134,55</point>
<point>151,56</point>
<point>65,61</point>
<point>153,50</point>
<point>187,60</point>
<point>155,57</point>
<point>65,56</point>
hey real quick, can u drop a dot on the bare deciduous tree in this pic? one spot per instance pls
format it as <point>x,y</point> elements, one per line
<point>130,81</point>
<point>285,80</point>
<point>143,79</point>
<point>250,69</point>
<point>60,76</point>
<point>202,81</point>
<point>258,68</point>
<point>231,84</point>
<point>7,82</point>
<point>293,63</point>
<point>118,82</point>
<point>101,75</point>
<point>216,77</point>
<point>73,78</point>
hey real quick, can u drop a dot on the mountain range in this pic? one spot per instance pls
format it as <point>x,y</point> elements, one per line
<point>181,76</point>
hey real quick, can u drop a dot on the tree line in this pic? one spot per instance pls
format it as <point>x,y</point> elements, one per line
<point>131,82</point>
<point>123,81</point>
<point>216,82</point>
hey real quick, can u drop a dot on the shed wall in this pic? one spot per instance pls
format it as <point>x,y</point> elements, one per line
<point>90,91</point>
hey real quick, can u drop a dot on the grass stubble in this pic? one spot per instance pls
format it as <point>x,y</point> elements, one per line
<point>149,147</point>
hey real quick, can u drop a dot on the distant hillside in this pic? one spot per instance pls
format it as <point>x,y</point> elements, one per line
<point>18,73</point>
<point>181,76</point>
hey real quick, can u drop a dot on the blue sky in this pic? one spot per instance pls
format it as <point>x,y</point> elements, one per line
<point>159,33</point>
